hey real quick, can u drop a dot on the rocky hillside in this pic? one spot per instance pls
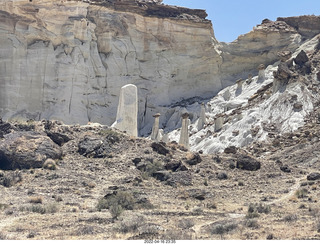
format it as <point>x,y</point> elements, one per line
<point>91,182</point>
<point>279,100</point>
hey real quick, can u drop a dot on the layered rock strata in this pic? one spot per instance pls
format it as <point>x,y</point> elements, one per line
<point>67,60</point>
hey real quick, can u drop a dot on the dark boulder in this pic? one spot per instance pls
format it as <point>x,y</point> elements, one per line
<point>285,168</point>
<point>283,73</point>
<point>245,162</point>
<point>24,150</point>
<point>5,128</point>
<point>230,150</point>
<point>92,147</point>
<point>303,63</point>
<point>136,161</point>
<point>58,138</point>
<point>160,148</point>
<point>313,176</point>
<point>173,165</point>
<point>161,175</point>
<point>197,194</point>
<point>222,176</point>
<point>193,159</point>
<point>301,58</point>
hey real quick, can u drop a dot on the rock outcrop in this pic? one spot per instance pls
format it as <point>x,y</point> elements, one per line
<point>25,150</point>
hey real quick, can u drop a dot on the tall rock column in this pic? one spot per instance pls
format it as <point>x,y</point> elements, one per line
<point>127,114</point>
<point>155,134</point>
<point>184,136</point>
<point>261,75</point>
<point>202,119</point>
<point>218,123</point>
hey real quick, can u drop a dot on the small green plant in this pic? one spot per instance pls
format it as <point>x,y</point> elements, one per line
<point>130,223</point>
<point>153,167</point>
<point>186,223</point>
<point>251,223</point>
<point>290,218</point>
<point>3,236</point>
<point>50,208</point>
<point>111,135</point>
<point>115,211</point>
<point>301,193</point>
<point>3,206</point>
<point>124,199</point>
<point>50,164</point>
<point>255,209</point>
<point>10,179</point>
<point>221,229</point>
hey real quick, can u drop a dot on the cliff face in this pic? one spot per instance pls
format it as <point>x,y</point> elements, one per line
<point>67,60</point>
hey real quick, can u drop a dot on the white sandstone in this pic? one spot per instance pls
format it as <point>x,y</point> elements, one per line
<point>127,115</point>
<point>156,134</point>
<point>202,118</point>
<point>184,134</point>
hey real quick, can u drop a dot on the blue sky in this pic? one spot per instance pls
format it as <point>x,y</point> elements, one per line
<point>232,18</point>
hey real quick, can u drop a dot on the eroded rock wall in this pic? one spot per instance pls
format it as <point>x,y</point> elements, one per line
<point>67,60</point>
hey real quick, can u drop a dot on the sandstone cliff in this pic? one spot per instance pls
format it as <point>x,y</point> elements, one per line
<point>68,60</point>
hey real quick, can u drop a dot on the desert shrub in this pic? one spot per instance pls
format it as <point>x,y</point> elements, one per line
<point>255,209</point>
<point>174,234</point>
<point>222,176</point>
<point>3,236</point>
<point>115,211</point>
<point>197,210</point>
<point>130,223</point>
<point>290,218</point>
<point>251,223</point>
<point>252,215</point>
<point>221,229</point>
<point>149,229</point>
<point>10,178</point>
<point>270,237</point>
<point>111,135</point>
<point>301,193</point>
<point>186,223</point>
<point>34,209</point>
<point>124,199</point>
<point>50,208</point>
<point>50,164</point>
<point>85,230</point>
<point>103,203</point>
<point>3,206</point>
<point>262,208</point>
<point>153,167</point>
